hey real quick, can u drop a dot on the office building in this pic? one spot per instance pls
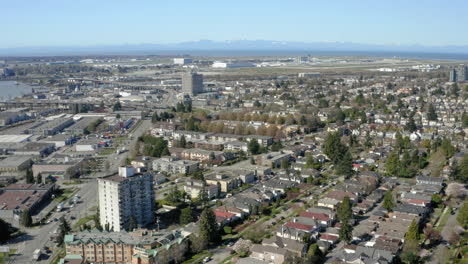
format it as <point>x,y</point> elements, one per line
<point>308,74</point>
<point>182,61</point>
<point>124,196</point>
<point>192,83</point>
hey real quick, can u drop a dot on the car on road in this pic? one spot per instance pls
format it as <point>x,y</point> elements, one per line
<point>207,259</point>
<point>72,217</point>
<point>55,219</point>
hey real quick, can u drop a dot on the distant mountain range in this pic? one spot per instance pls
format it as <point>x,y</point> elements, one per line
<point>223,47</point>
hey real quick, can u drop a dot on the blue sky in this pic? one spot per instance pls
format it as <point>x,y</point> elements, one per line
<point>103,22</point>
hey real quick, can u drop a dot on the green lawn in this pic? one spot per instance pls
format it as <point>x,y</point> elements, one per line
<point>83,221</point>
<point>4,256</point>
<point>198,257</point>
<point>66,193</point>
<point>107,151</point>
<point>443,219</point>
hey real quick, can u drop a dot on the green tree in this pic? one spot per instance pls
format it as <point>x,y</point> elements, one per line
<point>411,125</point>
<point>460,171</point>
<point>39,178</point>
<point>314,254</point>
<point>392,163</point>
<point>64,229</point>
<point>413,231</point>
<point>6,229</point>
<point>346,232</point>
<point>368,141</point>
<point>447,147</point>
<point>388,202</point>
<point>29,176</point>
<point>344,212</point>
<point>203,197</point>
<point>345,166</point>
<point>431,113</point>
<point>183,142</point>
<point>208,226</point>
<point>155,118</point>
<point>310,161</point>
<point>454,90</point>
<point>253,146</point>
<point>117,106</point>
<point>26,219</point>
<point>186,216</point>
<point>334,149</point>
<point>132,224</point>
<point>174,197</point>
<point>462,216</point>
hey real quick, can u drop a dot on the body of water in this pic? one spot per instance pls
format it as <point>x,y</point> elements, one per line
<point>10,90</point>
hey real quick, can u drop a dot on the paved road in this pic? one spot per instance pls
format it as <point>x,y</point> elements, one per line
<point>219,254</point>
<point>446,233</point>
<point>39,237</point>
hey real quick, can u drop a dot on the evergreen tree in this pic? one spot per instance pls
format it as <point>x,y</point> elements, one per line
<point>346,232</point>
<point>96,220</point>
<point>29,176</point>
<point>155,117</point>
<point>334,149</point>
<point>132,224</point>
<point>26,219</point>
<point>208,226</point>
<point>411,125</point>
<point>413,232</point>
<point>117,106</point>
<point>368,142</point>
<point>431,113</point>
<point>64,229</point>
<point>344,212</point>
<point>253,146</point>
<point>392,164</point>
<point>345,166</point>
<point>388,202</point>
<point>183,142</point>
<point>39,178</point>
<point>310,161</point>
<point>186,216</point>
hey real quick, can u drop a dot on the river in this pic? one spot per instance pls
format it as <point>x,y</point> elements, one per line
<point>9,90</point>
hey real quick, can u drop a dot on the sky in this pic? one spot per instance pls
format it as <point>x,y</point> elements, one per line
<point>33,23</point>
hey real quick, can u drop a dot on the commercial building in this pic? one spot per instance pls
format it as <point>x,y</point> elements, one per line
<point>192,83</point>
<point>225,65</point>
<point>58,167</point>
<point>10,117</point>
<point>126,196</point>
<point>175,166</point>
<point>80,126</point>
<point>35,149</point>
<point>18,197</point>
<point>182,61</point>
<point>308,74</point>
<point>51,127</point>
<point>15,163</point>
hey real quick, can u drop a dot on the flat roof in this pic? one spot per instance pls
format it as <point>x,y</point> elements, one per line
<point>14,138</point>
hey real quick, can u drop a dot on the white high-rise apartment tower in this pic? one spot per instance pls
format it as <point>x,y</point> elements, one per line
<point>124,196</point>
